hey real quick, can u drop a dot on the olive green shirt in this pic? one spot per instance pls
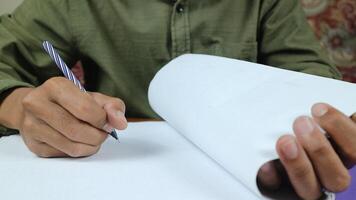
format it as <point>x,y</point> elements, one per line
<point>123,43</point>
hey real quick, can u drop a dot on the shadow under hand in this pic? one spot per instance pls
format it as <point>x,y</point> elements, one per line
<point>130,148</point>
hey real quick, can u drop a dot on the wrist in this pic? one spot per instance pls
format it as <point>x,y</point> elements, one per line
<point>11,109</point>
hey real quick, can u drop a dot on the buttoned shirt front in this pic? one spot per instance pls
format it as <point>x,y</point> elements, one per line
<point>123,43</point>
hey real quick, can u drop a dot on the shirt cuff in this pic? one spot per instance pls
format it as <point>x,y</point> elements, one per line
<point>7,131</point>
<point>6,87</point>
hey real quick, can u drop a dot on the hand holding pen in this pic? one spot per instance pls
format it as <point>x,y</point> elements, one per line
<point>59,120</point>
<point>70,76</point>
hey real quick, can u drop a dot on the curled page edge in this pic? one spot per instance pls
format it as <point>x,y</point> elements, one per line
<point>182,124</point>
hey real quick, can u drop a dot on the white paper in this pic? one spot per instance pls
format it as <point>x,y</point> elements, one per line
<point>235,111</point>
<point>152,162</point>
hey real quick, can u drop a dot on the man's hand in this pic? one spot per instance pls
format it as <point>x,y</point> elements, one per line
<point>56,119</point>
<point>311,161</point>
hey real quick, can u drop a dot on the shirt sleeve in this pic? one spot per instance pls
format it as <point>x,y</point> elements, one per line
<point>23,62</point>
<point>287,40</point>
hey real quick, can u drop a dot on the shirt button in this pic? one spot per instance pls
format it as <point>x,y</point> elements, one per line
<point>180,8</point>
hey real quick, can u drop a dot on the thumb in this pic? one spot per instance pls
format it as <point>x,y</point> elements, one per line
<point>116,117</point>
<point>115,111</point>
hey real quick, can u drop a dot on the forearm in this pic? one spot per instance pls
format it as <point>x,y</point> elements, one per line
<point>23,63</point>
<point>11,110</point>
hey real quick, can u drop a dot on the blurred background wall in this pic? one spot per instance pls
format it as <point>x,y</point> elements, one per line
<point>7,6</point>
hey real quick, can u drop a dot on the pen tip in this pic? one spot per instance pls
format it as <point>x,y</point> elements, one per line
<point>114,135</point>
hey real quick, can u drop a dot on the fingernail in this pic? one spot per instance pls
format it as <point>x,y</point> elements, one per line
<point>319,110</point>
<point>304,126</point>
<point>290,149</point>
<point>108,128</point>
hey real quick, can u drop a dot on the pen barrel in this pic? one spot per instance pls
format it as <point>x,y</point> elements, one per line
<point>61,64</point>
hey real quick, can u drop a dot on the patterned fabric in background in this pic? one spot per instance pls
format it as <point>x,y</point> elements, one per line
<point>334,23</point>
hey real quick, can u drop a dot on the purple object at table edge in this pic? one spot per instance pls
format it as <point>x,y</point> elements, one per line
<point>351,192</point>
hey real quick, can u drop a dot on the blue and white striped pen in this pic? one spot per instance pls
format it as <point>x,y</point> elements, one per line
<point>67,72</point>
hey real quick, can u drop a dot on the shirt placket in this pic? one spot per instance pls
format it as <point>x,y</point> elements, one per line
<point>180,29</point>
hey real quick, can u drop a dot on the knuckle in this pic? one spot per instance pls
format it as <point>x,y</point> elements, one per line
<point>57,84</point>
<point>57,80</point>
<point>53,83</point>
<point>340,183</point>
<point>28,102</point>
<point>321,149</point>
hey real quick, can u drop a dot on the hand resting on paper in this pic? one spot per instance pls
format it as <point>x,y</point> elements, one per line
<point>56,119</point>
<point>310,160</point>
